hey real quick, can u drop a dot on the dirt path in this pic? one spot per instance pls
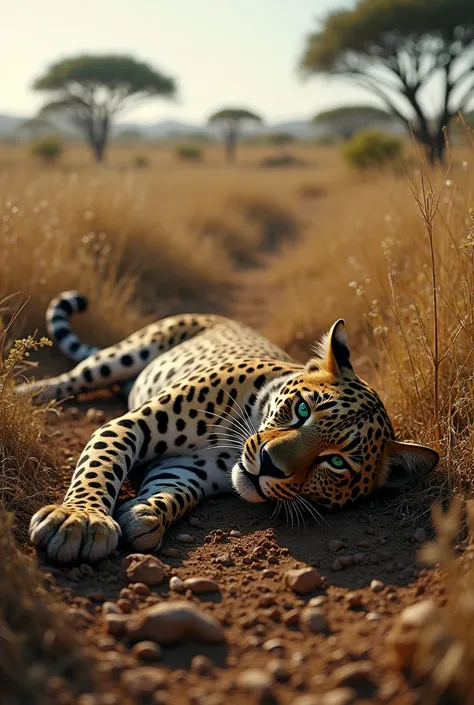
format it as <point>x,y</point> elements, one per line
<point>265,621</point>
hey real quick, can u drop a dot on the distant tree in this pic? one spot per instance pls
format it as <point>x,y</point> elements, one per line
<point>232,120</point>
<point>36,127</point>
<point>394,48</point>
<point>93,90</point>
<point>344,122</point>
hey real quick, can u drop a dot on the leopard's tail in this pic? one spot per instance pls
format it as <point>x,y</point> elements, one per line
<point>58,314</point>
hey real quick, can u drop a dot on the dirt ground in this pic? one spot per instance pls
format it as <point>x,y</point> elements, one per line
<point>247,553</point>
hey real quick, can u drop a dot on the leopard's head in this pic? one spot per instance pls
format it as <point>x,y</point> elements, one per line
<point>324,434</point>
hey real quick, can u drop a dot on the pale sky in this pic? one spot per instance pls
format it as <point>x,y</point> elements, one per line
<point>238,52</point>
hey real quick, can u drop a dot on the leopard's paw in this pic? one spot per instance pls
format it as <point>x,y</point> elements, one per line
<point>68,533</point>
<point>142,526</point>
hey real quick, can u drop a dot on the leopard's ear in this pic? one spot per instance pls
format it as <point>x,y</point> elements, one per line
<point>332,351</point>
<point>404,463</point>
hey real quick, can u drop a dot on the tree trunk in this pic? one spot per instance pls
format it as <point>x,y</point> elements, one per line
<point>231,143</point>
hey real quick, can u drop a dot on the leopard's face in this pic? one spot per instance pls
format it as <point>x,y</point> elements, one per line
<point>324,434</point>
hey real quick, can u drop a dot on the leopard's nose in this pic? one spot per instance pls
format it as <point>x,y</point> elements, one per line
<point>267,466</point>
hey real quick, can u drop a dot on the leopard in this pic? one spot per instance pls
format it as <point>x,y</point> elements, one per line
<point>213,407</point>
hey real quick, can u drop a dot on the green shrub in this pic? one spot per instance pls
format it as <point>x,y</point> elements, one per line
<point>49,149</point>
<point>369,149</point>
<point>141,162</point>
<point>188,153</point>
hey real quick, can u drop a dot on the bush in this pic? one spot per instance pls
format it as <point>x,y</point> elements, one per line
<point>141,162</point>
<point>188,153</point>
<point>49,149</point>
<point>369,149</point>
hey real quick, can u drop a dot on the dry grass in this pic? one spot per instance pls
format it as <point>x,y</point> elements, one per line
<point>25,458</point>
<point>43,660</point>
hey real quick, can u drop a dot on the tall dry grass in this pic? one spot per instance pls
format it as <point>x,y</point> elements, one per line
<point>394,256</point>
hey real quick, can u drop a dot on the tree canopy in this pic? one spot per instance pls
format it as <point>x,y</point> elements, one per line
<point>345,121</point>
<point>93,90</point>
<point>232,120</point>
<point>395,48</point>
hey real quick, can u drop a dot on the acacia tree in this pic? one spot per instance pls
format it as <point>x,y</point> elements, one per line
<point>92,90</point>
<point>232,121</point>
<point>345,121</point>
<point>395,48</point>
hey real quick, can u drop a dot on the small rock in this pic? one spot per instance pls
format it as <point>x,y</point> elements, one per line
<point>346,561</point>
<point>111,608</point>
<point>408,630</point>
<point>124,605</point>
<point>174,621</point>
<point>170,552</point>
<point>419,536</point>
<point>354,600</point>
<point>95,415</point>
<point>335,545</point>
<point>278,670</point>
<point>291,618</point>
<point>143,681</point>
<point>201,665</point>
<point>194,521</point>
<point>176,584</point>
<point>339,696</point>
<point>273,645</point>
<point>303,580</point>
<point>184,538</point>
<point>269,573</point>
<point>256,682</point>
<point>147,651</point>
<point>377,586</point>
<point>225,559</point>
<point>336,565</point>
<point>141,589</point>
<point>317,601</point>
<point>235,533</point>
<point>373,617</point>
<point>313,620</point>
<point>145,569</point>
<point>353,673</point>
<point>115,623</point>
<point>201,585</point>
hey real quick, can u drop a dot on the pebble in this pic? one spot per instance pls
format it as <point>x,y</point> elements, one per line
<point>146,569</point>
<point>373,617</point>
<point>353,673</point>
<point>143,681</point>
<point>170,552</point>
<point>225,559</point>
<point>354,600</point>
<point>124,605</point>
<point>175,621</point>
<point>147,651</point>
<point>201,585</point>
<point>235,533</point>
<point>184,538</point>
<point>419,536</point>
<point>336,565</point>
<point>278,670</point>
<point>313,619</point>
<point>377,586</point>
<point>407,631</point>
<point>335,545</point>
<point>273,645</point>
<point>201,665</point>
<point>269,573</point>
<point>303,580</point>
<point>258,683</point>
<point>291,618</point>
<point>115,623</point>
<point>194,522</point>
<point>339,696</point>
<point>176,584</point>
<point>346,561</point>
<point>317,601</point>
<point>141,589</point>
<point>95,415</point>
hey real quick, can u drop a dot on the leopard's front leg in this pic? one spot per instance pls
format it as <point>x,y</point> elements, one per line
<point>82,528</point>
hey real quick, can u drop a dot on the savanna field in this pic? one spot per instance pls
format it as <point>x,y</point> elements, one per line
<point>288,251</point>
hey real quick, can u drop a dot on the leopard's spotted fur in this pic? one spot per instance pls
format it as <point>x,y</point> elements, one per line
<point>213,405</point>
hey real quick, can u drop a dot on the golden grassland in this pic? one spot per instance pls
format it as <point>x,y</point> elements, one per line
<point>391,252</point>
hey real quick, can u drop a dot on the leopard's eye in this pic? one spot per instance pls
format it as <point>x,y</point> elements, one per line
<point>302,410</point>
<point>336,461</point>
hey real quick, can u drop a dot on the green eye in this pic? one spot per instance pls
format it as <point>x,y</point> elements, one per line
<point>336,461</point>
<point>302,410</point>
